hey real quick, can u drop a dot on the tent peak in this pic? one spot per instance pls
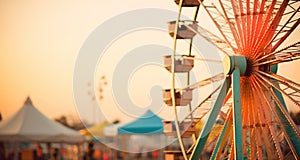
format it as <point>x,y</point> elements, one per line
<point>148,114</point>
<point>148,123</point>
<point>28,101</point>
<point>29,124</point>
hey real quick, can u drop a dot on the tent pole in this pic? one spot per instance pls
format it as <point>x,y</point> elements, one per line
<point>78,151</point>
<point>49,155</point>
<point>60,151</point>
<point>16,150</point>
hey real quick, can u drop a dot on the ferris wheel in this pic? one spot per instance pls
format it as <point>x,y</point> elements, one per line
<point>252,34</point>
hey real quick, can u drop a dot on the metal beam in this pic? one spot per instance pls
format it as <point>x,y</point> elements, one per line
<point>294,138</point>
<point>237,115</point>
<point>210,120</point>
<point>222,138</point>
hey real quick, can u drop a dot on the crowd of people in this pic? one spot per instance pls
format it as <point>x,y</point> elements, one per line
<point>86,151</point>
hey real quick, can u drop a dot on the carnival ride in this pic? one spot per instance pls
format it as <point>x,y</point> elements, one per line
<point>252,35</point>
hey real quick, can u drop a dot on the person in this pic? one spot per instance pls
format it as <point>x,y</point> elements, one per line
<point>39,153</point>
<point>91,151</point>
<point>119,155</point>
<point>55,154</point>
<point>97,154</point>
<point>2,150</point>
<point>155,154</point>
<point>106,156</point>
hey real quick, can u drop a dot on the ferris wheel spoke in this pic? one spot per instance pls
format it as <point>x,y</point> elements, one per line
<point>254,22</point>
<point>283,131</point>
<point>265,83</point>
<point>259,143</point>
<point>211,38</point>
<point>291,89</point>
<point>270,20</point>
<point>292,20</point>
<point>253,146</point>
<point>205,82</point>
<point>257,132</point>
<point>272,130</point>
<point>229,18</point>
<point>227,128</point>
<point>267,120</point>
<point>266,141</point>
<point>289,53</point>
<point>251,120</point>
<point>282,80</point>
<point>202,59</point>
<point>284,120</point>
<point>285,113</point>
<point>238,22</point>
<point>249,21</point>
<point>265,134</point>
<point>222,24</point>
<point>291,139</point>
<point>258,13</point>
<point>242,19</point>
<point>211,120</point>
<point>269,23</point>
<point>281,58</point>
<point>231,149</point>
<point>200,104</point>
<point>226,153</point>
<point>290,130</point>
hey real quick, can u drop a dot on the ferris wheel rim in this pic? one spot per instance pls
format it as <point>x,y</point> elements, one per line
<point>180,6</point>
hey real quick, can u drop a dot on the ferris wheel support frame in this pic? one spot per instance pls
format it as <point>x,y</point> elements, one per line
<point>210,120</point>
<point>224,133</point>
<point>292,136</point>
<point>267,77</point>
<point>234,67</point>
<point>237,114</point>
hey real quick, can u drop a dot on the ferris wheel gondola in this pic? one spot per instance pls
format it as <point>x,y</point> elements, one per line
<point>252,35</point>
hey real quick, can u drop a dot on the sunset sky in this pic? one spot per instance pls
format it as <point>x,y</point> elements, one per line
<point>39,44</point>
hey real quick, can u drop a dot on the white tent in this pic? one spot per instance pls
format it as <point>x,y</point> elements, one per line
<point>29,124</point>
<point>111,130</point>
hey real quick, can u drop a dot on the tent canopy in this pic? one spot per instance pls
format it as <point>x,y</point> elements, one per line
<point>29,124</point>
<point>111,130</point>
<point>148,123</point>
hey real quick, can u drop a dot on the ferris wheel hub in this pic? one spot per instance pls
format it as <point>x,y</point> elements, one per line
<point>232,62</point>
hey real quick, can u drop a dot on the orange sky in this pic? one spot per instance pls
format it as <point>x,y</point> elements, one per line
<point>39,43</point>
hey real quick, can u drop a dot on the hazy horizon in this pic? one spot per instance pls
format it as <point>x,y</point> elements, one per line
<point>39,44</point>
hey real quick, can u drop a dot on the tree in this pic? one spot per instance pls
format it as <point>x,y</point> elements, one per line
<point>71,121</point>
